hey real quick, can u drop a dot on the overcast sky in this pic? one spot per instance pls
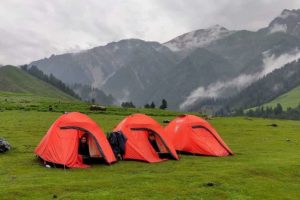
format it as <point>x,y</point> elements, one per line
<point>34,29</point>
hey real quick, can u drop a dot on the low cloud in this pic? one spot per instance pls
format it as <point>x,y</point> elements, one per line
<point>218,89</point>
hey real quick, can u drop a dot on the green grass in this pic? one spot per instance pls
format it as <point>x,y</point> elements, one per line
<point>266,164</point>
<point>289,99</point>
<point>13,79</point>
<point>30,102</point>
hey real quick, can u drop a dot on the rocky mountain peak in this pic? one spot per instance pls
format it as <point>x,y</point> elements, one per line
<point>217,27</point>
<point>198,38</point>
<point>288,22</point>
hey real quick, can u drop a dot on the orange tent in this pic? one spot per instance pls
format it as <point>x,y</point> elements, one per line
<point>136,129</point>
<point>194,135</point>
<point>60,144</point>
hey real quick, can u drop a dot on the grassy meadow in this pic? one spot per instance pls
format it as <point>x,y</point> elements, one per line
<point>31,102</point>
<point>266,164</point>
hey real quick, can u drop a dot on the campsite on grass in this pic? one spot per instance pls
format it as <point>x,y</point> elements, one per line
<point>151,99</point>
<point>266,158</point>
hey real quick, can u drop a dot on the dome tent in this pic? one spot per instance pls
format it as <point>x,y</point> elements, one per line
<point>137,129</point>
<point>192,134</point>
<point>61,142</point>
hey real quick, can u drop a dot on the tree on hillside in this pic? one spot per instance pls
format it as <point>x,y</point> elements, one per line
<point>239,112</point>
<point>278,109</point>
<point>51,79</point>
<point>152,105</point>
<point>164,104</point>
<point>269,111</point>
<point>128,105</point>
<point>24,67</point>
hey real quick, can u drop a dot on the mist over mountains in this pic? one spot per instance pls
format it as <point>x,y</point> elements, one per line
<point>206,63</point>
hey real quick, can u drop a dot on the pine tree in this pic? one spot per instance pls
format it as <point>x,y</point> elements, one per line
<point>164,104</point>
<point>278,109</point>
<point>152,105</point>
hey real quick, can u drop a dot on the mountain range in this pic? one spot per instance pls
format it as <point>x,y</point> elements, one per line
<point>195,66</point>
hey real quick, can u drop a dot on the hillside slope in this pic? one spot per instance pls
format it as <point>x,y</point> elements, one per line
<point>289,99</point>
<point>199,68</point>
<point>124,69</point>
<point>275,84</point>
<point>13,79</point>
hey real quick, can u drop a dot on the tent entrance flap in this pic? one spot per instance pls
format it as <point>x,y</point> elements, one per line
<point>94,147</point>
<point>158,145</point>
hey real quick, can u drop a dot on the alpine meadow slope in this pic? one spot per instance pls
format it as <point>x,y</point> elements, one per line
<point>290,99</point>
<point>15,80</point>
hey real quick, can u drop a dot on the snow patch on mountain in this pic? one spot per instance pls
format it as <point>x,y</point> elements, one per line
<point>141,84</point>
<point>108,77</point>
<point>198,38</point>
<point>278,28</point>
<point>98,77</point>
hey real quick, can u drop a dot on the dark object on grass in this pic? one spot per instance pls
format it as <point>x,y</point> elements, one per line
<point>166,121</point>
<point>273,125</point>
<point>117,141</point>
<point>97,108</point>
<point>54,196</point>
<point>4,146</point>
<point>210,184</point>
<point>50,108</point>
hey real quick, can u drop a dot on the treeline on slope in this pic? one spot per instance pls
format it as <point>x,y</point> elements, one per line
<point>164,105</point>
<point>93,95</point>
<point>129,104</point>
<point>264,90</point>
<point>269,112</point>
<point>52,80</point>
